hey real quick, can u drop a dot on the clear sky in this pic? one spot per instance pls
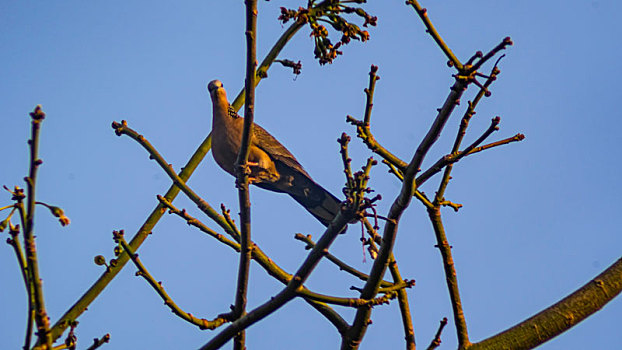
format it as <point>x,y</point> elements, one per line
<point>540,217</point>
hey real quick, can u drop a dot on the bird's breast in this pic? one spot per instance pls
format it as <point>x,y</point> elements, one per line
<point>225,147</point>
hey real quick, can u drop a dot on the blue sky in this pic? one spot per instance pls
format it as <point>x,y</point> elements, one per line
<point>540,217</point>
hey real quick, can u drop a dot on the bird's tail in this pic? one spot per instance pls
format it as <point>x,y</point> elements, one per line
<point>319,202</point>
<point>313,197</point>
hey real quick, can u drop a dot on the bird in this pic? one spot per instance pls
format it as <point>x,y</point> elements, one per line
<point>272,166</point>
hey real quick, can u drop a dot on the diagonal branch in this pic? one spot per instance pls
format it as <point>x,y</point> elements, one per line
<point>423,14</point>
<point>561,316</point>
<point>198,224</point>
<point>339,263</point>
<point>123,129</point>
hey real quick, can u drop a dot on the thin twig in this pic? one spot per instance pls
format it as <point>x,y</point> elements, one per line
<point>352,302</point>
<point>507,41</point>
<point>515,138</point>
<point>402,295</point>
<point>369,92</point>
<point>339,263</point>
<point>99,342</point>
<point>423,14</point>
<point>157,286</point>
<point>23,266</point>
<point>436,342</point>
<point>192,221</point>
<point>450,277</point>
<point>450,159</point>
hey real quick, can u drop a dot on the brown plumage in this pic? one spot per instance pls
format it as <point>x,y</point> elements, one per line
<point>272,166</point>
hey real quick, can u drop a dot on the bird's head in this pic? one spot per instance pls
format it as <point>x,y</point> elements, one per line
<point>219,98</point>
<point>216,90</point>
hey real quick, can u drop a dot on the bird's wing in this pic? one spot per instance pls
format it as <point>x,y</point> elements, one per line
<point>291,177</point>
<point>276,150</point>
<point>266,142</point>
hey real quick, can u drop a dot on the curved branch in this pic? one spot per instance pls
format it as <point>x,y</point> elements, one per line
<point>157,286</point>
<point>561,316</point>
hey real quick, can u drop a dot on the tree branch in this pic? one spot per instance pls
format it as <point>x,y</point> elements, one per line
<point>157,286</point>
<point>91,294</point>
<point>561,316</point>
<point>361,321</point>
<point>450,277</point>
<point>269,266</point>
<point>242,171</point>
<point>87,298</point>
<point>41,318</point>
<point>289,292</point>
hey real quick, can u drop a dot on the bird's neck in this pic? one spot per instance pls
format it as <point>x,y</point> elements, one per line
<point>221,111</point>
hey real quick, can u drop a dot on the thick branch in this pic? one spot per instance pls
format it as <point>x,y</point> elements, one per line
<point>561,316</point>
